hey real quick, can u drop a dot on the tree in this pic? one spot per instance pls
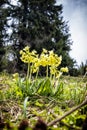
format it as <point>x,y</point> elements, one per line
<point>2,34</point>
<point>39,24</point>
<point>83,68</point>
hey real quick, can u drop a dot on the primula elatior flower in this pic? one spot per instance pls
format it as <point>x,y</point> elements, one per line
<point>26,48</point>
<point>64,69</point>
<point>43,59</point>
<point>58,74</point>
<point>21,52</point>
<point>27,56</point>
<point>54,59</point>
<point>44,51</point>
<point>46,59</point>
<point>15,75</point>
<point>53,70</point>
<point>35,66</point>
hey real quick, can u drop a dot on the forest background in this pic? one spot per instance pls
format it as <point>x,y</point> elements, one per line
<point>38,24</point>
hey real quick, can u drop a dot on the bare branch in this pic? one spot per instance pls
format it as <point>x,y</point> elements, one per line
<point>67,113</point>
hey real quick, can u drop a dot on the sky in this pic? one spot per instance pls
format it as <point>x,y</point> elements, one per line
<point>75,12</point>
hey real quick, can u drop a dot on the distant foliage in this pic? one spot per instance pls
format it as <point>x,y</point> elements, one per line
<point>37,23</point>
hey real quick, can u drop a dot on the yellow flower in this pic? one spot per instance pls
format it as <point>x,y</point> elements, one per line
<point>46,59</point>
<point>53,70</point>
<point>26,48</point>
<point>58,74</point>
<point>15,75</point>
<point>34,53</point>
<point>21,52</point>
<point>44,50</point>
<point>64,69</point>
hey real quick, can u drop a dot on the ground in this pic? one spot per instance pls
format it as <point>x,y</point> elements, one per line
<point>17,104</point>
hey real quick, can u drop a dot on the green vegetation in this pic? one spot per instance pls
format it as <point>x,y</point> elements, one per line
<point>50,97</point>
<point>19,101</point>
<point>34,86</point>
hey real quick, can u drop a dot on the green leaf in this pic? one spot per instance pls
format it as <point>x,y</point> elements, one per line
<point>25,106</point>
<point>44,88</point>
<point>58,90</point>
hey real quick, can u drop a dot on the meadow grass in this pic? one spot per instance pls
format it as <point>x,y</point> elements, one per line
<point>40,98</point>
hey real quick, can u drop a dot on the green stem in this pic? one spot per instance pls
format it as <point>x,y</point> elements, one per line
<point>30,74</point>
<point>47,71</point>
<point>28,70</point>
<point>37,73</point>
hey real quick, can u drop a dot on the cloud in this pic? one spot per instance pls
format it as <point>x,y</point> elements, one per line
<point>78,32</point>
<point>75,12</point>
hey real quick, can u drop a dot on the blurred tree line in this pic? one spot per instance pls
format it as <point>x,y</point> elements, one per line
<point>37,23</point>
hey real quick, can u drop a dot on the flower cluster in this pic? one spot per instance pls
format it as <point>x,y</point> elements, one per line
<point>27,56</point>
<point>64,69</point>
<point>31,58</point>
<point>46,59</point>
